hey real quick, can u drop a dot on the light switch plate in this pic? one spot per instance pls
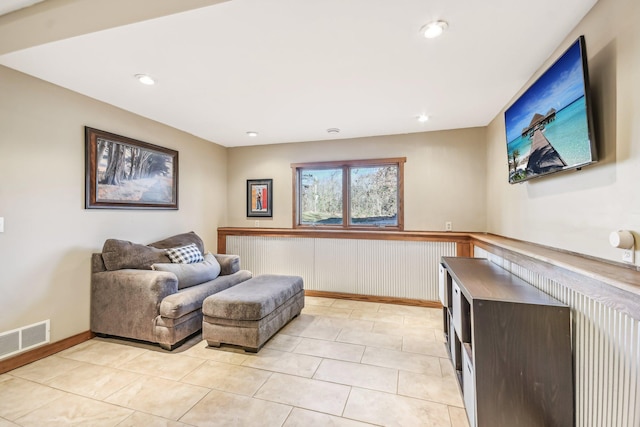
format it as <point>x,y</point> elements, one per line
<point>1,225</point>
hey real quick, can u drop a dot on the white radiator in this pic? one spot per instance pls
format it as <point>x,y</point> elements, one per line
<point>606,353</point>
<point>277,255</point>
<point>25,338</point>
<point>400,269</point>
<point>334,266</point>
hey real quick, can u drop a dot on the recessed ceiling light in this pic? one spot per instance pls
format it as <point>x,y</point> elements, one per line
<point>333,130</point>
<point>434,29</point>
<point>252,134</point>
<point>145,79</point>
<point>423,118</point>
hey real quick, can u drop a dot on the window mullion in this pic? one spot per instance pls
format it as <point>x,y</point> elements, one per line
<point>298,190</point>
<point>346,211</point>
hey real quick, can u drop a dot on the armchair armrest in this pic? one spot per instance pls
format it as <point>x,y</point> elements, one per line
<point>126,302</point>
<point>229,264</point>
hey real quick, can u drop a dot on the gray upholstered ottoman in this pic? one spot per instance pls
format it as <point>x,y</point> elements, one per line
<point>250,313</point>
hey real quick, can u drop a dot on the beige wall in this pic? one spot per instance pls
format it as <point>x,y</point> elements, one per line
<point>577,210</point>
<point>458,176</point>
<point>49,236</point>
<point>444,176</point>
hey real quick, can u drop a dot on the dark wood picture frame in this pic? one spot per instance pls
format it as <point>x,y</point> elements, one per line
<point>124,173</point>
<point>260,198</point>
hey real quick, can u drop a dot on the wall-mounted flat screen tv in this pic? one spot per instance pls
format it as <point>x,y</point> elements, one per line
<point>549,128</point>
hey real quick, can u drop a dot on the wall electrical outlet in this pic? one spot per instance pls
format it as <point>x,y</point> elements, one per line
<point>448,226</point>
<point>628,256</point>
<point>257,223</point>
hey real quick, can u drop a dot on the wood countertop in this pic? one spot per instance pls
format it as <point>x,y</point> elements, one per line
<point>615,284</point>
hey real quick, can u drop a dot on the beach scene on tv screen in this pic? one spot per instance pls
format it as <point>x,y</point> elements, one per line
<point>547,127</point>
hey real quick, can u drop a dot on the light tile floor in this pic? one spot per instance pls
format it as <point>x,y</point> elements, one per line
<point>340,363</point>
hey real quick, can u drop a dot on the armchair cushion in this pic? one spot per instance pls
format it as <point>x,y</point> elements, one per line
<point>189,299</point>
<point>180,240</point>
<point>229,264</point>
<point>121,254</point>
<point>192,274</point>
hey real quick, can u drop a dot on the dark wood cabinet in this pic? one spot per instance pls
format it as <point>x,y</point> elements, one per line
<point>510,345</point>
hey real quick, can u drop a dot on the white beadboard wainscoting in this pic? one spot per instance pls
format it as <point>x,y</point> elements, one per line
<point>606,351</point>
<point>390,268</point>
<point>604,297</point>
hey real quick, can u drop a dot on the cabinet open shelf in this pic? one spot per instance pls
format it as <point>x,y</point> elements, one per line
<point>510,345</point>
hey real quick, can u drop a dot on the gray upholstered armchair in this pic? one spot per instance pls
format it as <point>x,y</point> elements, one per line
<point>161,305</point>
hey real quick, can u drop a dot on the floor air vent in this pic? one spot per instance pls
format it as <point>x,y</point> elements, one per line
<point>25,338</point>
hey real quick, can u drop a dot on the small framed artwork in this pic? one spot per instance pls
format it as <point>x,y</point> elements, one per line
<point>123,173</point>
<point>259,198</point>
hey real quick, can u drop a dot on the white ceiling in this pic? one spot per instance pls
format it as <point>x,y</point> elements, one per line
<point>290,69</point>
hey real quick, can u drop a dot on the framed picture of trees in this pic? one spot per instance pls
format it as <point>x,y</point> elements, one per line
<point>123,173</point>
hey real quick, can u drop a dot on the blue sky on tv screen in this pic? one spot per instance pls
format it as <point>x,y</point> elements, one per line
<point>558,87</point>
